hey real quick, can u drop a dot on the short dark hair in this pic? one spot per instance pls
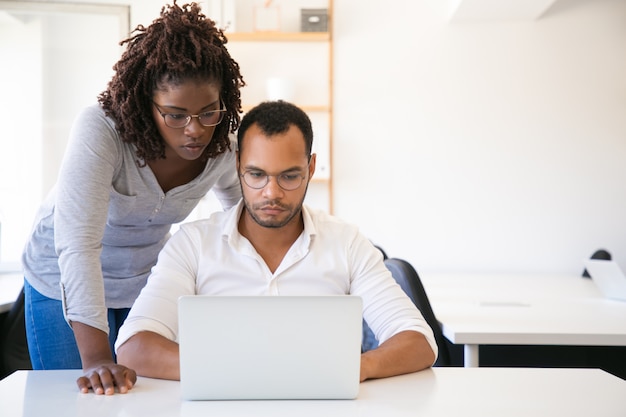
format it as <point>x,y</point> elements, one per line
<point>181,45</point>
<point>274,117</point>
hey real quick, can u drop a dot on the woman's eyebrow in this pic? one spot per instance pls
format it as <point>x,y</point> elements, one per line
<point>186,110</point>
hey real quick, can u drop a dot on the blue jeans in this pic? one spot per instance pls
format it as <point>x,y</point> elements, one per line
<point>51,342</point>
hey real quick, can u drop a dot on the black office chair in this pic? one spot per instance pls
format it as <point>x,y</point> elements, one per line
<point>382,251</point>
<point>408,279</point>
<point>599,254</point>
<point>13,347</point>
<point>609,358</point>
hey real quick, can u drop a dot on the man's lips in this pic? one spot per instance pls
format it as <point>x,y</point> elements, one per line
<point>272,209</point>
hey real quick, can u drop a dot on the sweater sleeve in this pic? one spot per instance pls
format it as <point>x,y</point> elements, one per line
<point>227,188</point>
<point>81,207</point>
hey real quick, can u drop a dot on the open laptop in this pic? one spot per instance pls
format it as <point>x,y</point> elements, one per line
<point>609,278</point>
<point>269,347</point>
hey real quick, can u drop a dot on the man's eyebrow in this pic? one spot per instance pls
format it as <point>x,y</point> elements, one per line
<point>291,169</point>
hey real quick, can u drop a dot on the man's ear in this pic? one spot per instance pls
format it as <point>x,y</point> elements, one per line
<point>312,165</point>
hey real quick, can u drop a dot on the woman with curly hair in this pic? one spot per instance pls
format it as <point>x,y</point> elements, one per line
<point>136,163</point>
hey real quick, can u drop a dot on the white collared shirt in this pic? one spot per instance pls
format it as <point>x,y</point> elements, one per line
<point>330,257</point>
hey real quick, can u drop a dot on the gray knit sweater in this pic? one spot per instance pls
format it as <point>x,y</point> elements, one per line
<point>99,231</point>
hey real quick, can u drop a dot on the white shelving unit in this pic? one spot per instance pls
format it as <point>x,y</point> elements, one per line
<point>301,60</point>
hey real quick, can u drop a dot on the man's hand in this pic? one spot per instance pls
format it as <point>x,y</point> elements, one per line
<point>103,379</point>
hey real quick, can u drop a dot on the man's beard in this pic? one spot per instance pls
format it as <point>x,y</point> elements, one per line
<point>292,212</point>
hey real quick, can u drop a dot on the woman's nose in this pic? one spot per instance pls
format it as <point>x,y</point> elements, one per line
<point>194,129</point>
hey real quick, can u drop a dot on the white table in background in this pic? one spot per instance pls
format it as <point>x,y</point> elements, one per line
<point>469,392</point>
<point>505,309</point>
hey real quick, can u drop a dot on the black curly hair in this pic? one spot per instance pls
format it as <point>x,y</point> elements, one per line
<point>275,117</point>
<point>181,45</point>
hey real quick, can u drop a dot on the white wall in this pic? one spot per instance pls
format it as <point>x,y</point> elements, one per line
<point>48,75</point>
<point>483,146</point>
<point>20,145</point>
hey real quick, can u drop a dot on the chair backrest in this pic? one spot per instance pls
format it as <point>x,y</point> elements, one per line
<point>599,254</point>
<point>13,346</point>
<point>408,279</point>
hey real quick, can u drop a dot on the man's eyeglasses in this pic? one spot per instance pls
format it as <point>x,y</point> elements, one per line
<point>259,179</point>
<point>180,120</point>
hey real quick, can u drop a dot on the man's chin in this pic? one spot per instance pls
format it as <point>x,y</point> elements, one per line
<point>271,224</point>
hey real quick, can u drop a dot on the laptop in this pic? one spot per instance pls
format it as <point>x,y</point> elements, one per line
<point>269,347</point>
<point>609,278</point>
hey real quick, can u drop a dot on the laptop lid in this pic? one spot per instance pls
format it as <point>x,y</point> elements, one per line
<point>609,278</point>
<point>269,347</point>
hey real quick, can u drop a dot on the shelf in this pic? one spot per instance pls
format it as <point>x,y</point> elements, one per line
<point>304,60</point>
<point>278,36</point>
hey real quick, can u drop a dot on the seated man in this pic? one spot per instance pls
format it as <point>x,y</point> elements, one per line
<point>272,244</point>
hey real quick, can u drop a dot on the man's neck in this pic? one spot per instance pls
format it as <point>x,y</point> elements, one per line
<point>271,243</point>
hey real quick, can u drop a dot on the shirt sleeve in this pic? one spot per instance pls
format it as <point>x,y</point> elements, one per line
<point>386,307</point>
<point>174,275</point>
<point>81,206</point>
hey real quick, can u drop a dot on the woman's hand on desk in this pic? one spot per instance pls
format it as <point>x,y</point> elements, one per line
<point>103,379</point>
<point>100,372</point>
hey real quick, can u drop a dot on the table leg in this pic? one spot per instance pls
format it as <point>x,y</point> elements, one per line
<point>470,356</point>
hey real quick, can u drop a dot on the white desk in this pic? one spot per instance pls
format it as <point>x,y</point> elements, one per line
<point>523,310</point>
<point>446,392</point>
<point>10,285</point>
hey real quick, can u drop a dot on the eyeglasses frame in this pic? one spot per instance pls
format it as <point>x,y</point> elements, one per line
<point>222,110</point>
<point>267,179</point>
